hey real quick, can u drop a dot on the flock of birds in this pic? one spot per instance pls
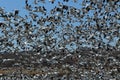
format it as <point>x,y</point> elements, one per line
<point>61,30</point>
<point>95,25</point>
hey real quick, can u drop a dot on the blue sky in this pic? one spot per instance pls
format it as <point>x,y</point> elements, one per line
<point>10,5</point>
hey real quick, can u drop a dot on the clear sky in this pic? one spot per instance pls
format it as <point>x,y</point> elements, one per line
<point>10,5</point>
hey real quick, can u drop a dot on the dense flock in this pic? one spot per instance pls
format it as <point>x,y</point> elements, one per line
<point>61,40</point>
<point>95,25</point>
